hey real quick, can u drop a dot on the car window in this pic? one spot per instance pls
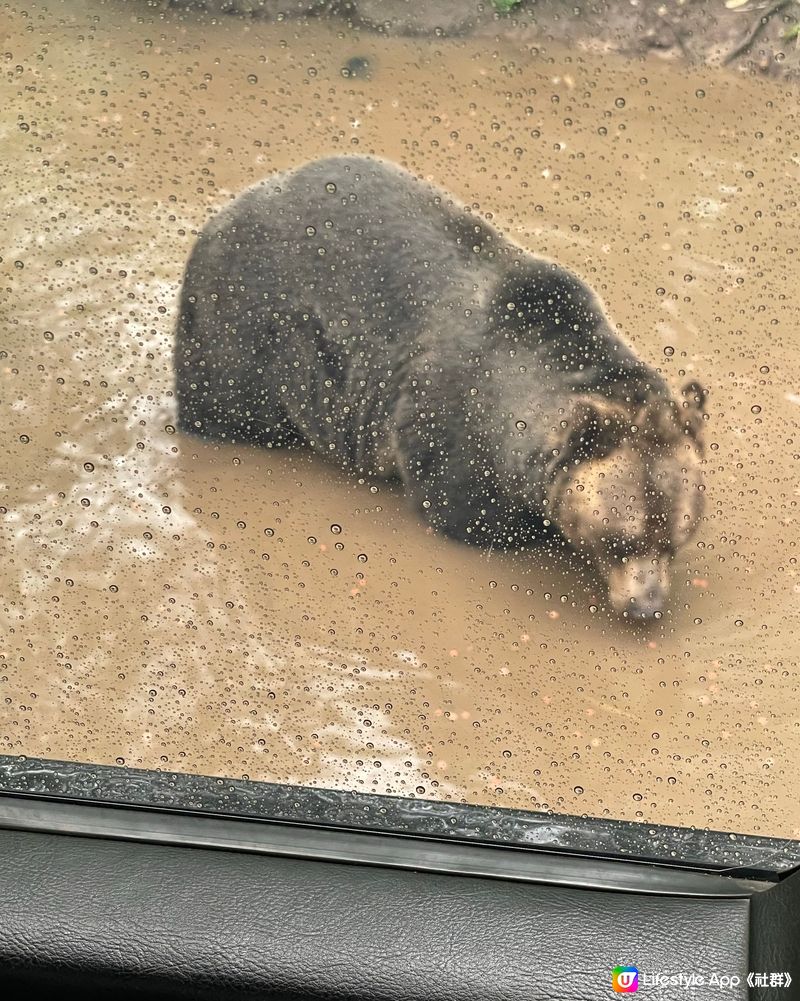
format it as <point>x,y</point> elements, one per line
<point>459,463</point>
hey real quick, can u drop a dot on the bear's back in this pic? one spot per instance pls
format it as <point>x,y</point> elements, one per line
<point>356,239</point>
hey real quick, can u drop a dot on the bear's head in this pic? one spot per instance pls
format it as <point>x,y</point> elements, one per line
<point>626,490</point>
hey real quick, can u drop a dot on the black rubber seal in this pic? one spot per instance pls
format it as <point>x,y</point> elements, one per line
<point>741,856</point>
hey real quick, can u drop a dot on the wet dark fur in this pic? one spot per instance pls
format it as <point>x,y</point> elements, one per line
<point>357,309</point>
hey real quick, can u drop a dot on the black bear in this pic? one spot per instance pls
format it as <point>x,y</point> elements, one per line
<point>358,310</point>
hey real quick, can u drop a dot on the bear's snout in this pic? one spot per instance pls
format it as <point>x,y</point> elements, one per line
<point>639,587</point>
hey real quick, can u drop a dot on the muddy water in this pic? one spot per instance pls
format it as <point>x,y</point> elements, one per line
<point>172,604</point>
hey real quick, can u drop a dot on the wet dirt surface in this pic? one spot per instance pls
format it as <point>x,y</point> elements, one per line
<point>168,603</point>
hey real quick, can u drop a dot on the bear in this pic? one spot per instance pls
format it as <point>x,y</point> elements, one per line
<point>350,307</point>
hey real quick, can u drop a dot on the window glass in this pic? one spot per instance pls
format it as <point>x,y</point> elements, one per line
<point>180,602</point>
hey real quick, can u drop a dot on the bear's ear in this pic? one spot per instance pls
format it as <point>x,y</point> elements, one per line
<point>693,406</point>
<point>593,427</point>
<point>695,395</point>
<point>666,419</point>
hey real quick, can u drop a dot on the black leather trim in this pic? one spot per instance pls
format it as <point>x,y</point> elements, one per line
<point>775,938</point>
<point>91,916</point>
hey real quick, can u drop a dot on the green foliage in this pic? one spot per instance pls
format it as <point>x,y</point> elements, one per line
<point>504,6</point>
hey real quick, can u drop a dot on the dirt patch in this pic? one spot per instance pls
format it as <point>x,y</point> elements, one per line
<point>743,35</point>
